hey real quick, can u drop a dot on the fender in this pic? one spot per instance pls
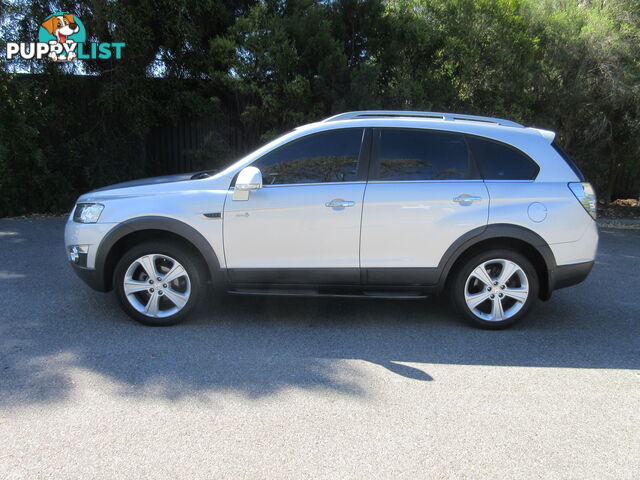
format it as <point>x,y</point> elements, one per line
<point>499,230</point>
<point>167,224</point>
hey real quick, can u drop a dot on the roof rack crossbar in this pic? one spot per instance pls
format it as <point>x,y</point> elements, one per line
<point>413,114</point>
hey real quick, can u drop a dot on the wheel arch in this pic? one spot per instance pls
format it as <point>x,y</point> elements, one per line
<point>514,237</point>
<point>131,232</point>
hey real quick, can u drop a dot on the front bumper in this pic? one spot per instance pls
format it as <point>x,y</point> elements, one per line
<point>91,277</point>
<point>87,235</point>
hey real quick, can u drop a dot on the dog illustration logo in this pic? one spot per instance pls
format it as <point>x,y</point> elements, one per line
<point>63,31</point>
<point>62,38</point>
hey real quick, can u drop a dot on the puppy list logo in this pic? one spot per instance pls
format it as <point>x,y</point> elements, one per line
<point>63,38</point>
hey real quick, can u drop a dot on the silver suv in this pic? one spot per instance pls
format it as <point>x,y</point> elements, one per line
<point>374,203</point>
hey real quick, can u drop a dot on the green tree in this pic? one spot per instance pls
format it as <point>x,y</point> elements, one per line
<point>259,67</point>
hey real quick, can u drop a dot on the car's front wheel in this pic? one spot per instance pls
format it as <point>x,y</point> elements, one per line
<point>494,289</point>
<point>158,283</point>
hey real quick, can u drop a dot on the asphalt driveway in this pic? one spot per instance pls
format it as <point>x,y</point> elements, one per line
<point>321,388</point>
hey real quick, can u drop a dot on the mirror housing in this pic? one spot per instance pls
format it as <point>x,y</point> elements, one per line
<point>249,178</point>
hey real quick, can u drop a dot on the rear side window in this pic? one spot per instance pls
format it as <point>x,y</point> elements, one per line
<point>422,155</point>
<point>498,161</point>
<point>330,156</point>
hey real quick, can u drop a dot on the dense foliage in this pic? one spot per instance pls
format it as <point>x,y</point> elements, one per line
<point>260,67</point>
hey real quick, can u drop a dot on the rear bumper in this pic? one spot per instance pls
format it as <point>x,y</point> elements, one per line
<point>91,277</point>
<point>568,275</point>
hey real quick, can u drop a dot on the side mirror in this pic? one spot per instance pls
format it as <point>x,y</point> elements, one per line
<point>249,178</point>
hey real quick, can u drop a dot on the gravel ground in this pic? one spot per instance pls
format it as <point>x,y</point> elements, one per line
<point>319,389</point>
<point>624,223</point>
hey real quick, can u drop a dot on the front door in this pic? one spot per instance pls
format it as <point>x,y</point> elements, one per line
<point>303,226</point>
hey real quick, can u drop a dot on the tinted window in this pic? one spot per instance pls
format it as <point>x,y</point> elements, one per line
<point>322,157</point>
<point>501,162</point>
<point>423,155</point>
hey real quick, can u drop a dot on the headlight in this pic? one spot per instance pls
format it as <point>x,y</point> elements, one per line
<point>586,196</point>
<point>87,212</point>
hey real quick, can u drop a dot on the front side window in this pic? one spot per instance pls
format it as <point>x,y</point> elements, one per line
<point>330,156</point>
<point>498,161</point>
<point>423,155</point>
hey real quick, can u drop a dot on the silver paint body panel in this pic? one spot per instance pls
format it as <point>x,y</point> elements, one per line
<point>391,224</point>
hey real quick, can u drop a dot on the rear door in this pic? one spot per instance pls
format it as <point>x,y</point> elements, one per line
<point>424,192</point>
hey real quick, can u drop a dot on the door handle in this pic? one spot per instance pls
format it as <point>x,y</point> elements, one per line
<point>466,199</point>
<point>339,203</point>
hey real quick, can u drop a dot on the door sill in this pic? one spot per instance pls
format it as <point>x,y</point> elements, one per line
<point>313,292</point>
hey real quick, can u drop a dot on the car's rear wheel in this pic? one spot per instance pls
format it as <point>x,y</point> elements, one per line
<point>494,289</point>
<point>158,283</point>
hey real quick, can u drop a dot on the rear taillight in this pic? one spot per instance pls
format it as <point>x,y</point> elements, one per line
<point>586,196</point>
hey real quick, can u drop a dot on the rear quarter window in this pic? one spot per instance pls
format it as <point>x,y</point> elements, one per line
<point>498,161</point>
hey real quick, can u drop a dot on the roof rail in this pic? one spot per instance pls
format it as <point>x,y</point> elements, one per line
<point>411,114</point>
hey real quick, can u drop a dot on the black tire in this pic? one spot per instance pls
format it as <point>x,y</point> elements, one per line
<point>458,285</point>
<point>195,280</point>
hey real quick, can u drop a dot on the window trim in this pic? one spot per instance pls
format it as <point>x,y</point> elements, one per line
<point>374,169</point>
<point>512,147</point>
<point>350,182</point>
<point>362,167</point>
<point>460,180</point>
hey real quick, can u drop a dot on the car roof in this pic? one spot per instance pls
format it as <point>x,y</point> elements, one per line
<point>535,142</point>
<point>422,115</point>
<point>505,133</point>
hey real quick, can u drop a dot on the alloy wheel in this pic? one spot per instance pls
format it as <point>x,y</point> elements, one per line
<point>157,285</point>
<point>496,290</point>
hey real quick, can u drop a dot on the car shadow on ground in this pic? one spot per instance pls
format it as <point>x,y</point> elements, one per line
<point>52,326</point>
